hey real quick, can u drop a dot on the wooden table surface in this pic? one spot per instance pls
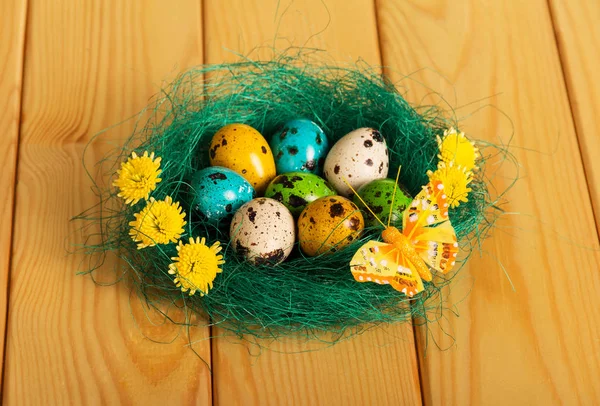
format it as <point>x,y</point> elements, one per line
<point>520,69</point>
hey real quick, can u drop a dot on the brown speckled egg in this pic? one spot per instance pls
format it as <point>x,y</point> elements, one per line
<point>357,158</point>
<point>263,231</point>
<point>244,150</point>
<point>328,224</point>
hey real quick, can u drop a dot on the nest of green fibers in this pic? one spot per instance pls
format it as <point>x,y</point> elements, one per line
<point>301,295</point>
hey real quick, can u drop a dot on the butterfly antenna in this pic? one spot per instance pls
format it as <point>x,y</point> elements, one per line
<point>394,195</point>
<point>363,202</point>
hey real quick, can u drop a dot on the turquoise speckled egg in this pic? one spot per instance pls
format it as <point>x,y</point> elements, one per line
<point>297,189</point>
<point>218,192</point>
<point>378,196</point>
<point>300,145</point>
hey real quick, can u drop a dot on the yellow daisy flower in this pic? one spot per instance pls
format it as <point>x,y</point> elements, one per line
<point>455,147</point>
<point>197,266</point>
<point>160,222</point>
<point>455,179</point>
<point>138,177</point>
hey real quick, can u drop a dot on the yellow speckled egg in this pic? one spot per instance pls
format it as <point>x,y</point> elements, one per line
<point>241,148</point>
<point>328,224</point>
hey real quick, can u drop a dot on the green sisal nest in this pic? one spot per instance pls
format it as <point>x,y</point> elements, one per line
<point>302,295</point>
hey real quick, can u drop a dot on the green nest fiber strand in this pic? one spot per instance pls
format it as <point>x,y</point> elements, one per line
<point>301,295</point>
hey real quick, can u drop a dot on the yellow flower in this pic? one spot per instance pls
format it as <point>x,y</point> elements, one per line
<point>196,266</point>
<point>160,222</point>
<point>138,177</point>
<point>455,147</point>
<point>455,179</point>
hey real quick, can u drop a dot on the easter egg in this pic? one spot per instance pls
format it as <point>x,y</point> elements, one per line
<point>329,224</point>
<point>357,158</point>
<point>263,231</point>
<point>297,189</point>
<point>377,194</point>
<point>218,192</point>
<point>243,149</point>
<point>300,145</point>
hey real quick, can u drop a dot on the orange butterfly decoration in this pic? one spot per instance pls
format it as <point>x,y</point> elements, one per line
<point>404,258</point>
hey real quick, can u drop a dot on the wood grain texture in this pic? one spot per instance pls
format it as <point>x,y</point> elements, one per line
<point>345,31</point>
<point>89,65</point>
<point>348,373</point>
<point>294,372</point>
<point>578,37</point>
<point>12,32</point>
<point>535,345</point>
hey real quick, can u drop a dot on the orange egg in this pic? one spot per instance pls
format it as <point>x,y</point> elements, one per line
<point>329,224</point>
<point>244,150</point>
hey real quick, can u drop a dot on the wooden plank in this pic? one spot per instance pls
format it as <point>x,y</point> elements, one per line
<point>12,31</point>
<point>292,372</point>
<point>260,29</point>
<point>350,372</point>
<point>578,38</point>
<point>90,65</point>
<point>535,345</point>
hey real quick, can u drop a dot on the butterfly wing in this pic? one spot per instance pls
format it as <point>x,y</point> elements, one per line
<point>428,208</point>
<point>407,279</point>
<point>382,263</point>
<point>437,246</point>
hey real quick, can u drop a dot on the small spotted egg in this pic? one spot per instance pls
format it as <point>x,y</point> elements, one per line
<point>300,145</point>
<point>218,192</point>
<point>243,149</point>
<point>297,189</point>
<point>263,231</point>
<point>378,195</point>
<point>328,224</point>
<point>357,158</point>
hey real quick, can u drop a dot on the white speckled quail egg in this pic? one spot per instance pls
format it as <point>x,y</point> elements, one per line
<point>263,231</point>
<point>357,158</point>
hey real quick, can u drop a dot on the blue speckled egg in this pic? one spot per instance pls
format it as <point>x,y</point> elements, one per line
<point>300,145</point>
<point>218,192</point>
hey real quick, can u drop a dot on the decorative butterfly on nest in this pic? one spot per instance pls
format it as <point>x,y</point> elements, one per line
<point>404,258</point>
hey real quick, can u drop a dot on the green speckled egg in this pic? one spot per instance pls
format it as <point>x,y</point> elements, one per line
<point>295,190</point>
<point>378,196</point>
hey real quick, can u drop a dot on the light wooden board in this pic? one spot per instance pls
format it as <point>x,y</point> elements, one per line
<point>92,64</point>
<point>536,345</point>
<point>376,368</point>
<point>352,372</point>
<point>89,65</point>
<point>578,37</point>
<point>340,32</point>
<point>12,32</point>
